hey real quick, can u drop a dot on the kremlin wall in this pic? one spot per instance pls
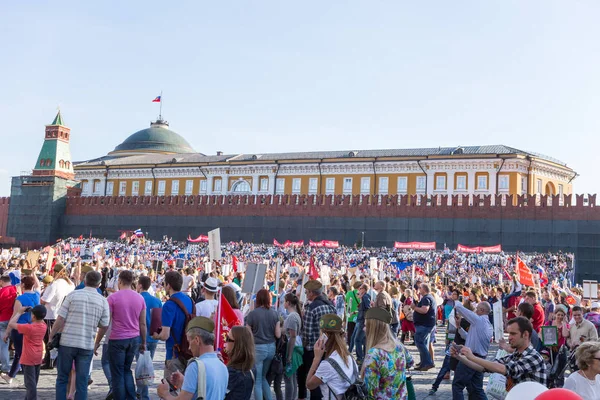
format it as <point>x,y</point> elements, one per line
<point>472,195</point>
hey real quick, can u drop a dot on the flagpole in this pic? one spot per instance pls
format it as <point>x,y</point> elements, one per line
<point>218,325</point>
<point>160,107</point>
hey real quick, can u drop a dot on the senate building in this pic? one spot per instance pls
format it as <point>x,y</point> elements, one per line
<point>156,161</point>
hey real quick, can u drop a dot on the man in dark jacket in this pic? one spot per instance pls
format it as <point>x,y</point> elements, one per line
<point>360,336</point>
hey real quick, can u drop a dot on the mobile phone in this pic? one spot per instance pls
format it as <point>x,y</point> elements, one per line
<point>28,309</point>
<point>324,338</point>
<point>172,388</point>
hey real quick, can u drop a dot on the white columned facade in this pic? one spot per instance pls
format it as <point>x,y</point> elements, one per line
<point>450,186</point>
<point>209,184</point>
<point>430,182</point>
<point>224,184</point>
<point>255,183</point>
<point>493,173</point>
<point>471,184</point>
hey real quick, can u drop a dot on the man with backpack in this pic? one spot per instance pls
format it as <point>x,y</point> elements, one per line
<point>176,313</point>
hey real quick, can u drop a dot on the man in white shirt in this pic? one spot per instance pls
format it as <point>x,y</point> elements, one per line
<point>208,307</point>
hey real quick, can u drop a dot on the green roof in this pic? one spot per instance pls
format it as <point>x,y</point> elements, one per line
<point>58,120</point>
<point>157,138</point>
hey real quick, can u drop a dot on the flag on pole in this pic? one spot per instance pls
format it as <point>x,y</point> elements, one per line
<point>313,272</point>
<point>123,235</point>
<point>524,274</point>
<point>226,319</point>
<point>234,261</point>
<point>156,99</point>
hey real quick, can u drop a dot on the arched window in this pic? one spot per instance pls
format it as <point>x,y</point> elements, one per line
<point>42,162</point>
<point>68,165</point>
<point>241,187</point>
<point>61,164</point>
<point>48,162</point>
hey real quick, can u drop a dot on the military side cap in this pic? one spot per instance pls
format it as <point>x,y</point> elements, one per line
<point>206,324</point>
<point>59,267</point>
<point>313,285</point>
<point>379,314</point>
<point>26,271</point>
<point>86,268</point>
<point>331,322</point>
<point>48,279</point>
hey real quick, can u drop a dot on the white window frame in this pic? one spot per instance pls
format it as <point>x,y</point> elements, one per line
<point>313,184</point>
<point>461,183</point>
<point>330,186</point>
<point>539,186</point>
<point>561,189</point>
<point>110,188</point>
<point>97,187</point>
<point>421,183</point>
<point>203,185</point>
<point>148,188</point>
<point>440,179</point>
<point>162,187</point>
<point>347,188</point>
<point>296,185</point>
<point>482,179</point>
<point>524,184</point>
<point>384,185</point>
<point>365,185</point>
<point>218,184</point>
<point>122,188</point>
<point>264,185</point>
<point>175,188</point>
<point>189,187</point>
<point>280,186</point>
<point>504,182</point>
<point>403,184</point>
<point>85,188</point>
<point>135,188</point>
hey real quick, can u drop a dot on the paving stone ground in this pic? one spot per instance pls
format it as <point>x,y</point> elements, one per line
<point>99,389</point>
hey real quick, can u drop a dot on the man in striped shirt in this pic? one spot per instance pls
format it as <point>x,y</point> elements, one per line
<point>83,312</point>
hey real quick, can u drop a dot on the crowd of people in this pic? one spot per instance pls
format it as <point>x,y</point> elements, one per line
<point>332,322</point>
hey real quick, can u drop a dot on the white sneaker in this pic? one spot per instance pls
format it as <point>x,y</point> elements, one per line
<point>6,378</point>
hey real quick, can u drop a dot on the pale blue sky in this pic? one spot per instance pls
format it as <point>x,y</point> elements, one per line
<point>271,76</point>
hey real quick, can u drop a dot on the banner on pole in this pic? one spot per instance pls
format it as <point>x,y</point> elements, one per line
<point>479,249</point>
<point>415,245</point>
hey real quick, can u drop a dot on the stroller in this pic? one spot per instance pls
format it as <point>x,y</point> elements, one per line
<point>565,359</point>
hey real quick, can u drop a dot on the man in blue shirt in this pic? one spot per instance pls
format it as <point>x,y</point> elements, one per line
<point>424,318</point>
<point>151,302</point>
<point>201,337</point>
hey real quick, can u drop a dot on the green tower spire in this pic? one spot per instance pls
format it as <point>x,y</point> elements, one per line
<point>55,156</point>
<point>57,120</point>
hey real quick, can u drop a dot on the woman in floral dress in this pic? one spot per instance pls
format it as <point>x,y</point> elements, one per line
<point>386,362</point>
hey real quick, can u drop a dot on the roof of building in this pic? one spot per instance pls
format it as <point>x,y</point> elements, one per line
<point>156,139</point>
<point>58,120</point>
<point>193,157</point>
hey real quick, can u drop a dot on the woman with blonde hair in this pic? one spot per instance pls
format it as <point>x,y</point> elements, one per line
<point>586,381</point>
<point>333,368</point>
<point>239,346</point>
<point>386,362</point>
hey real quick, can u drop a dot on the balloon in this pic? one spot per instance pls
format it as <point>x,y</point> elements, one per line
<point>526,391</point>
<point>558,394</point>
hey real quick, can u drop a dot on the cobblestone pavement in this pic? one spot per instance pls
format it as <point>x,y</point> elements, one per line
<point>99,389</point>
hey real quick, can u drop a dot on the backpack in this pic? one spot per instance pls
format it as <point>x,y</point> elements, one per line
<point>357,389</point>
<point>183,348</point>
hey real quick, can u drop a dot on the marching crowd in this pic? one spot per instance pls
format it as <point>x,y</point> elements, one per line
<point>337,323</point>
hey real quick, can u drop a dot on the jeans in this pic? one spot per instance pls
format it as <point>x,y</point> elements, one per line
<point>350,330</point>
<point>307,360</point>
<point>465,377</point>
<point>352,338</point>
<point>276,381</point>
<point>82,358</point>
<point>4,353</point>
<point>291,386</point>
<point>106,364</point>
<point>264,356</point>
<point>121,357</point>
<point>360,341</point>
<point>443,371</point>
<point>422,337</point>
<point>31,375</point>
<point>48,362</point>
<point>394,329</point>
<point>17,340</point>
<point>142,390</point>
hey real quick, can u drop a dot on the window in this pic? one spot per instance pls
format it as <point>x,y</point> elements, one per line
<point>280,186</point>
<point>524,186</point>
<point>218,185</point>
<point>85,187</point>
<point>110,187</point>
<point>203,186</point>
<point>42,162</point>
<point>482,182</point>
<point>560,190</point>
<point>403,184</point>
<point>241,186</point>
<point>330,186</point>
<point>365,185</point>
<point>97,187</point>
<point>48,162</point>
<point>420,183</point>
<point>296,185</point>
<point>189,187</point>
<point>264,184</point>
<point>347,185</point>
<point>135,188</point>
<point>312,185</point>
<point>440,182</point>
<point>539,186</point>
<point>503,182</point>
<point>383,185</point>
<point>175,188</point>
<point>461,182</point>
<point>148,188</point>
<point>122,188</point>
<point>162,187</point>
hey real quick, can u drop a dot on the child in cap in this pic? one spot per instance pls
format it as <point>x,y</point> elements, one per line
<point>33,346</point>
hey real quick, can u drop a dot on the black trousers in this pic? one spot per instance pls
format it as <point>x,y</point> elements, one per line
<point>351,326</point>
<point>47,363</point>
<point>307,360</point>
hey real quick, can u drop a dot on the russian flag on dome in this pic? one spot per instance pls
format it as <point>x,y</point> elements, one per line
<point>139,233</point>
<point>156,100</point>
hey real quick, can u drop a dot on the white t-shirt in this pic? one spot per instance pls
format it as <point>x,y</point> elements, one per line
<point>186,282</point>
<point>206,308</point>
<point>332,380</point>
<point>583,387</point>
<point>54,296</point>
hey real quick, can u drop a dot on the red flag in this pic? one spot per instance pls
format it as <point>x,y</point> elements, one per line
<point>313,272</point>
<point>226,319</point>
<point>123,235</point>
<point>524,273</point>
<point>571,300</point>
<point>80,237</point>
<point>235,263</point>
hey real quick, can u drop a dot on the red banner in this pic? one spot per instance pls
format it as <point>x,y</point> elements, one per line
<point>199,239</point>
<point>479,249</point>
<point>415,245</point>
<point>288,243</point>
<point>329,244</point>
<point>524,274</point>
<point>228,319</point>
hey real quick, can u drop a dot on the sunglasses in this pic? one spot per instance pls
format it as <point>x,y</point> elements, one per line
<point>229,340</point>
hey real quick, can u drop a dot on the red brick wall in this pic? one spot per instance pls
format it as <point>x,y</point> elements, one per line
<point>4,204</point>
<point>335,206</point>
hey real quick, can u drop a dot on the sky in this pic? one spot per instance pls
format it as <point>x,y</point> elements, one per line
<point>275,76</point>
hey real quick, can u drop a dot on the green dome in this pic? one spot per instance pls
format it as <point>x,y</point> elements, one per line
<point>156,139</point>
